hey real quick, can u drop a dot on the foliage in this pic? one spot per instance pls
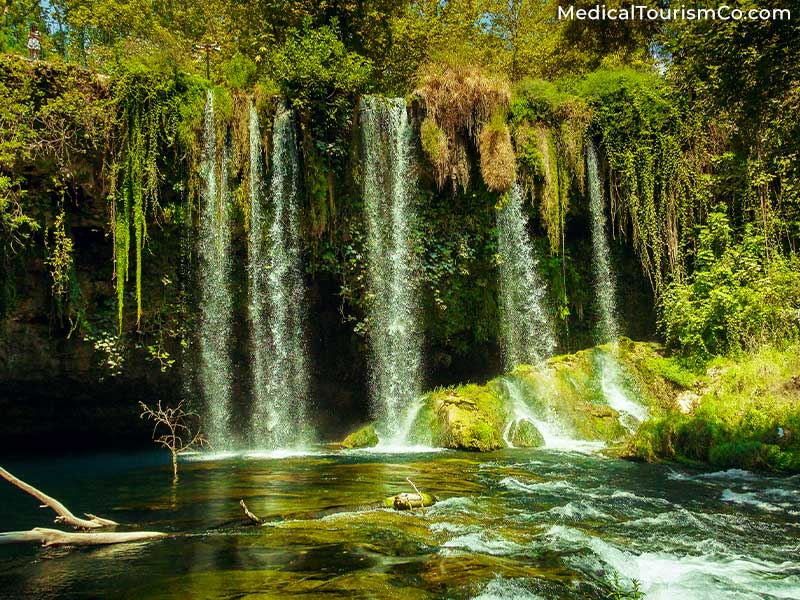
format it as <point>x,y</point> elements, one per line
<point>60,260</point>
<point>321,77</point>
<point>459,100</point>
<point>498,163</point>
<point>549,126</point>
<point>735,299</point>
<point>151,106</point>
<point>743,78</point>
<point>748,417</point>
<point>652,183</point>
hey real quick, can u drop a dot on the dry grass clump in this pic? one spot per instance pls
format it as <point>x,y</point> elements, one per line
<point>458,101</point>
<point>498,163</point>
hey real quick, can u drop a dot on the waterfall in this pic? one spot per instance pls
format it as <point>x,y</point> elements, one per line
<point>526,327</point>
<point>554,433</point>
<point>605,282</point>
<point>214,254</point>
<point>389,195</point>
<point>608,330</point>
<point>277,292</point>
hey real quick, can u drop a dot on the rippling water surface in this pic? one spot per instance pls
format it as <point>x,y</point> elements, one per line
<point>515,524</point>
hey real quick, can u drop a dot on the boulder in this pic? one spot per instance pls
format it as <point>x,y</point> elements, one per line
<point>362,438</point>
<point>524,434</point>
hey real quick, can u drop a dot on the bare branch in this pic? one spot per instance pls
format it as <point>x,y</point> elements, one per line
<point>64,514</point>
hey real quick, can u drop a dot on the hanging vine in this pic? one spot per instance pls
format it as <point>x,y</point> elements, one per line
<point>154,112</point>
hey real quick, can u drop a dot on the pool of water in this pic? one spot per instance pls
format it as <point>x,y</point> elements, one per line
<point>513,524</point>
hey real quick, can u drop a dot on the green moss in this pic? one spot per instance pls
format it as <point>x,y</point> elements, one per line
<point>363,438</point>
<point>470,417</point>
<point>748,417</point>
<point>524,434</point>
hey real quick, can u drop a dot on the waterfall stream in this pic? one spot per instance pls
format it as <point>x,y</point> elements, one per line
<point>277,292</point>
<point>526,327</point>
<point>214,254</point>
<point>608,330</point>
<point>605,282</point>
<point>394,332</point>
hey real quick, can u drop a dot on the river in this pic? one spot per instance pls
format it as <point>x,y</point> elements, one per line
<point>512,524</point>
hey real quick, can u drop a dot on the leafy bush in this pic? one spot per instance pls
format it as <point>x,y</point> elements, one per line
<point>737,298</point>
<point>319,76</point>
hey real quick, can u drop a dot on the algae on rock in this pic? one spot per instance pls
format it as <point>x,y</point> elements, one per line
<point>566,393</point>
<point>362,438</point>
<point>524,434</point>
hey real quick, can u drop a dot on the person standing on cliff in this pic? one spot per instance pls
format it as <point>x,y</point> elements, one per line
<point>35,43</point>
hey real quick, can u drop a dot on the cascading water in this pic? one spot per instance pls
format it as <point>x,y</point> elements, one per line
<point>605,282</point>
<point>214,254</point>
<point>277,292</point>
<point>394,333</point>
<point>554,433</point>
<point>527,330</point>
<point>608,329</point>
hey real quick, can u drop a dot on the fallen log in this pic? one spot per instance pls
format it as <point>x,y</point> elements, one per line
<point>64,514</point>
<point>54,537</point>
<point>253,518</point>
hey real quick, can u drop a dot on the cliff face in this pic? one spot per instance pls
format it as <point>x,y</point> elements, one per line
<point>69,380</point>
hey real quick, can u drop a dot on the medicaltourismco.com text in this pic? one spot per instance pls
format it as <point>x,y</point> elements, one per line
<point>635,12</point>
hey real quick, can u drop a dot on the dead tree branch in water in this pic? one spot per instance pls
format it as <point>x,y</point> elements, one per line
<point>64,514</point>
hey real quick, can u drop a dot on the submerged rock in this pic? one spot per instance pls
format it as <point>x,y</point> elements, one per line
<point>363,438</point>
<point>524,434</point>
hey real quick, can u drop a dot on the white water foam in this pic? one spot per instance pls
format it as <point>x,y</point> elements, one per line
<point>501,588</point>
<point>749,498</point>
<point>579,511</point>
<point>662,575</point>
<point>391,449</point>
<point>482,543</point>
<point>543,487</point>
<point>555,436</point>
<point>723,475</point>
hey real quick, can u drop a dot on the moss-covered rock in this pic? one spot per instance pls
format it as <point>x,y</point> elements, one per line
<point>524,434</point>
<point>566,391</point>
<point>746,415</point>
<point>363,438</point>
<point>469,417</point>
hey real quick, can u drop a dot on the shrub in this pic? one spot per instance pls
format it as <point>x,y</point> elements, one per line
<point>736,299</point>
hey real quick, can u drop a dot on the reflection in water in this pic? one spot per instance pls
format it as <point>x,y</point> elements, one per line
<point>512,524</point>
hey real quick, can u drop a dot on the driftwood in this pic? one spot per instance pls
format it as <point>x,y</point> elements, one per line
<point>54,537</point>
<point>64,514</point>
<point>253,518</point>
<point>406,501</point>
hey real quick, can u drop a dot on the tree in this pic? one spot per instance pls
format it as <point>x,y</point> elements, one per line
<point>181,430</point>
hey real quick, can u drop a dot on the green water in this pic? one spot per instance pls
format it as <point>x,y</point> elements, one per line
<point>513,524</point>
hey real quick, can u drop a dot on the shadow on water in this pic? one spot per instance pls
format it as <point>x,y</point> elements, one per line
<point>512,524</point>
